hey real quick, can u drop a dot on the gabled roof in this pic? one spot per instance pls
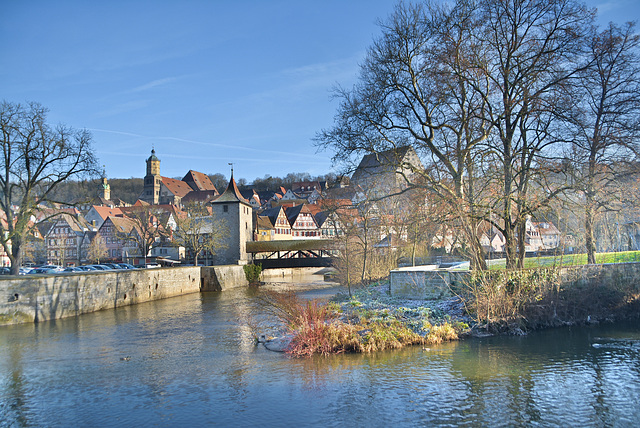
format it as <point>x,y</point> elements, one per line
<point>200,196</point>
<point>306,186</point>
<point>388,161</point>
<point>76,223</point>
<point>294,212</point>
<point>177,187</point>
<point>546,228</point>
<point>321,217</point>
<point>272,213</point>
<point>199,181</point>
<point>161,212</point>
<point>105,212</point>
<point>231,194</point>
<point>264,222</point>
<point>122,224</point>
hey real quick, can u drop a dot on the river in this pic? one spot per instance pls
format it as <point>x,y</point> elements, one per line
<point>191,361</point>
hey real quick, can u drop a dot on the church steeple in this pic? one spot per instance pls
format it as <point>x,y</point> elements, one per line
<point>153,164</point>
<point>106,189</point>
<point>151,191</point>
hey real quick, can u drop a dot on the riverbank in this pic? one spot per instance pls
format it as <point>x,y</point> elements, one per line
<point>369,320</point>
<point>505,302</point>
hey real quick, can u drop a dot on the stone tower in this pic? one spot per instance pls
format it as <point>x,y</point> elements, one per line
<point>236,215</point>
<point>106,189</point>
<point>152,181</point>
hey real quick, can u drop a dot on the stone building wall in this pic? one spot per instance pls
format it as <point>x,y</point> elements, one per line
<point>238,221</point>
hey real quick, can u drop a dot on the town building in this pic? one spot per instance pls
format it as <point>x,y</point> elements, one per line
<point>384,172</point>
<point>64,239</point>
<point>158,190</point>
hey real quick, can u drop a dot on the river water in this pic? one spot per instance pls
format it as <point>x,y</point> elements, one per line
<point>191,361</point>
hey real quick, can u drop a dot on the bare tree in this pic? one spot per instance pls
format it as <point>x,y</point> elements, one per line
<point>36,159</point>
<point>529,49</point>
<point>472,87</point>
<point>97,249</point>
<point>605,123</point>
<point>147,228</point>
<point>200,231</point>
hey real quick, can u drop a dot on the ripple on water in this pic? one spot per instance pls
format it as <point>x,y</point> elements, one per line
<point>189,362</point>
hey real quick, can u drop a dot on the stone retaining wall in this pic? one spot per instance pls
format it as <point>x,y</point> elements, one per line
<point>36,298</point>
<point>220,278</point>
<point>424,282</point>
<point>609,273</point>
<point>428,283</point>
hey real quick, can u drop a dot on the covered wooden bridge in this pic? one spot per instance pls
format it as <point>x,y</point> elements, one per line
<point>292,253</point>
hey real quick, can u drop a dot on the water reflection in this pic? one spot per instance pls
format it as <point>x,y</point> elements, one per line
<point>191,360</point>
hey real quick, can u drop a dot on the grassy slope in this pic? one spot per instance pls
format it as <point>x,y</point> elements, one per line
<point>573,259</point>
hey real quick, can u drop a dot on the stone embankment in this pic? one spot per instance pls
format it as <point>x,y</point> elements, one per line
<point>37,298</point>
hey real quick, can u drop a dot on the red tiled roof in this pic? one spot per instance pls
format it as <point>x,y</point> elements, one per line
<point>105,212</point>
<point>199,181</point>
<point>177,187</point>
<point>200,196</point>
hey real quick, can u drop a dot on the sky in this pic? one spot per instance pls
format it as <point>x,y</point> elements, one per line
<point>204,83</point>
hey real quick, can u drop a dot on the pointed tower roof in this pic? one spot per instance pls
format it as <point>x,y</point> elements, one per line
<point>231,194</point>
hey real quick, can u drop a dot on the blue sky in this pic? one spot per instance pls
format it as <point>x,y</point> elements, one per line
<point>204,82</point>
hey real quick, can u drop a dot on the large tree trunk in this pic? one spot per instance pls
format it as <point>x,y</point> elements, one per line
<point>589,239</point>
<point>16,258</point>
<point>590,211</point>
<point>521,241</point>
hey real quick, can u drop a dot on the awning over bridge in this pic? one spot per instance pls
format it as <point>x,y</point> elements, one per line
<point>291,253</point>
<point>290,245</point>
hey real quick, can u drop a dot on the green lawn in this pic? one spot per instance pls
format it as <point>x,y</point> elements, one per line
<point>573,259</point>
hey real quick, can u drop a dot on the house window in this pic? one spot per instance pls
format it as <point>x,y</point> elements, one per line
<point>225,208</point>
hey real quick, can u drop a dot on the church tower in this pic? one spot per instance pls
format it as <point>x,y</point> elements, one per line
<point>106,189</point>
<point>152,181</point>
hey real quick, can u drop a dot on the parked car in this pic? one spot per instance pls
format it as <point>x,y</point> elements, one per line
<point>115,266</point>
<point>100,267</point>
<point>72,269</point>
<point>24,270</point>
<point>87,268</point>
<point>5,271</point>
<point>126,266</point>
<point>42,270</point>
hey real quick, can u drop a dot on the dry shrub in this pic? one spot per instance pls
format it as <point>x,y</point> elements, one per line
<point>294,312</point>
<point>441,333</point>
<point>509,296</point>
<point>324,339</point>
<point>379,336</point>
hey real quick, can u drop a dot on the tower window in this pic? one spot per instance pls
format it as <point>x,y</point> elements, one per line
<point>225,208</point>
